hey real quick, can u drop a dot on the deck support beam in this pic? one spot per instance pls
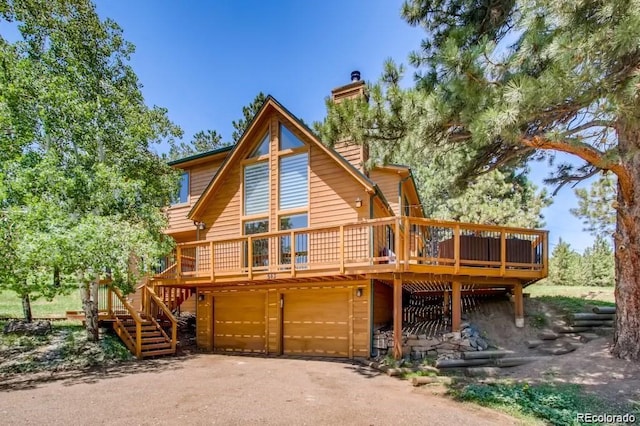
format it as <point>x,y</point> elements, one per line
<point>397,316</point>
<point>456,306</point>
<point>518,301</point>
<point>446,302</point>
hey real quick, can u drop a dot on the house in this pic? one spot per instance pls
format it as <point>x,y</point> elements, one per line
<point>288,246</point>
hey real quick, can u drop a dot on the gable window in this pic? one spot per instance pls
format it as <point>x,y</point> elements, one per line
<point>294,181</point>
<point>288,140</point>
<point>262,149</point>
<point>182,197</point>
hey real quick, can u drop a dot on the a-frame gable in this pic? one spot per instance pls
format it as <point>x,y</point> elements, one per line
<point>257,125</point>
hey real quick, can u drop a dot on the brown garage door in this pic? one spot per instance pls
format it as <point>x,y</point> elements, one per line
<point>316,323</point>
<point>239,322</point>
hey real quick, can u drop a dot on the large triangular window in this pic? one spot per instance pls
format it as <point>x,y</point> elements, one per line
<point>262,149</point>
<point>288,140</point>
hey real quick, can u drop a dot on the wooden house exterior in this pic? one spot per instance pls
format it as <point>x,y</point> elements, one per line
<point>288,246</point>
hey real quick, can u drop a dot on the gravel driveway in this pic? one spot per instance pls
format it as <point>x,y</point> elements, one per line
<point>218,389</point>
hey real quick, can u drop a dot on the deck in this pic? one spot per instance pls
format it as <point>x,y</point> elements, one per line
<point>422,250</point>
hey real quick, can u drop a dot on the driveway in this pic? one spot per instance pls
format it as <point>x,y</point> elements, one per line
<point>218,389</point>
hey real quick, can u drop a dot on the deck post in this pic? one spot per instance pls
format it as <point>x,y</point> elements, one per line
<point>446,302</point>
<point>518,305</point>
<point>397,316</point>
<point>455,306</point>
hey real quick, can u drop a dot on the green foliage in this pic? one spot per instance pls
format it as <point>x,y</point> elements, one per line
<point>556,404</point>
<point>593,268</point>
<point>599,263</point>
<point>595,206</point>
<point>538,320</point>
<point>248,113</point>
<point>565,266</point>
<point>82,189</point>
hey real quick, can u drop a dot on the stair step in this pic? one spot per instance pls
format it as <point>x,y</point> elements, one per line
<point>158,353</point>
<point>148,340</point>
<point>152,346</point>
<point>143,328</point>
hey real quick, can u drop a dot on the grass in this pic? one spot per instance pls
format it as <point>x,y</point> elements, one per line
<point>603,294</point>
<point>11,305</point>
<point>567,299</point>
<point>552,404</point>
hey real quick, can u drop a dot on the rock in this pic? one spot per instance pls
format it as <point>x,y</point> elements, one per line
<point>422,337</point>
<point>547,335</point>
<point>482,344</point>
<point>37,328</point>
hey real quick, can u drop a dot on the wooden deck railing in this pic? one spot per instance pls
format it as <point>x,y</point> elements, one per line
<point>374,246</point>
<point>155,309</point>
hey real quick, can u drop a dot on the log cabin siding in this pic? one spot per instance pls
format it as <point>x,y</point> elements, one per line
<point>223,213</point>
<point>199,177</point>
<point>333,193</point>
<point>388,182</point>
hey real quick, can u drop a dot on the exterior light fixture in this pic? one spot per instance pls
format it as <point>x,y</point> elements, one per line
<point>359,292</point>
<point>201,297</point>
<point>199,225</point>
<point>358,202</point>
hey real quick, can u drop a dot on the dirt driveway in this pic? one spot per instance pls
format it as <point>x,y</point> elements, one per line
<point>217,389</point>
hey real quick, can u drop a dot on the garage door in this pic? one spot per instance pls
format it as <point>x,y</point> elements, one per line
<point>316,323</point>
<point>239,322</point>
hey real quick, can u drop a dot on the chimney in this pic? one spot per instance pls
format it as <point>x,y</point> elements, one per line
<point>353,153</point>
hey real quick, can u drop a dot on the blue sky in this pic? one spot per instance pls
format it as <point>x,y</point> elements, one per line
<point>205,60</point>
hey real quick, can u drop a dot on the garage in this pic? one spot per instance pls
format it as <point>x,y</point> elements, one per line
<point>239,322</point>
<point>316,323</point>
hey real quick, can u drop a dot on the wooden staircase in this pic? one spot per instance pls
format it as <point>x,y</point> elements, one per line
<point>149,332</point>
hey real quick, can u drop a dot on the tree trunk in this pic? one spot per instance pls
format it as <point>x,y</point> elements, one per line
<point>89,291</point>
<point>627,247</point>
<point>26,308</point>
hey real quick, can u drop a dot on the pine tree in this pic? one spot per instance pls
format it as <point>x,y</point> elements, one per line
<point>595,207</point>
<point>599,264</point>
<point>518,80</point>
<point>565,265</point>
<point>202,141</point>
<point>248,112</point>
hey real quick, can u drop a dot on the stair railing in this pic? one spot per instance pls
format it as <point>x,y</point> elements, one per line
<point>153,306</point>
<point>134,345</point>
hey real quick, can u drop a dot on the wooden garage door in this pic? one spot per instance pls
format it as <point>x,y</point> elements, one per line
<point>239,322</point>
<point>316,323</point>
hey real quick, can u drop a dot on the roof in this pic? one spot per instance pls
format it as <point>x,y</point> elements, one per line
<point>200,155</point>
<point>271,104</point>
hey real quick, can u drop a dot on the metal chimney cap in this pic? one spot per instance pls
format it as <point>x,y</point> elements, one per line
<point>355,75</point>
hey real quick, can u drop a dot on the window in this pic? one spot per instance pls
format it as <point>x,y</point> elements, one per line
<point>288,140</point>
<point>297,221</point>
<point>256,188</point>
<point>259,246</point>
<point>183,193</point>
<point>294,181</point>
<point>262,149</point>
